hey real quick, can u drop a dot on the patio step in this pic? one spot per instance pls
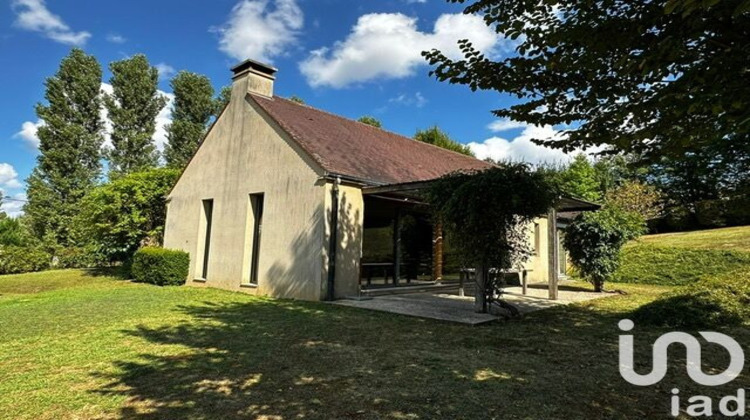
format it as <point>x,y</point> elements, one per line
<point>399,290</point>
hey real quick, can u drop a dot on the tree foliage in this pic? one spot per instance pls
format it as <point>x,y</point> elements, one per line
<point>366,119</point>
<point>297,99</point>
<point>194,105</point>
<point>133,106</point>
<point>70,137</point>
<point>486,215</point>
<point>13,232</point>
<point>127,212</point>
<point>636,197</point>
<point>594,241</point>
<point>654,78</point>
<point>437,137</point>
<point>580,179</point>
<point>225,95</point>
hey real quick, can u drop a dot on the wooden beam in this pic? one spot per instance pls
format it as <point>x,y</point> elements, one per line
<point>553,253</point>
<point>437,250</point>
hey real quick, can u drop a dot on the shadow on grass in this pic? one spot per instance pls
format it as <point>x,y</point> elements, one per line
<point>116,272</point>
<point>563,287</point>
<point>290,360</point>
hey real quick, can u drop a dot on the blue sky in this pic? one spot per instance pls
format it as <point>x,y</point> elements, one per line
<point>346,56</point>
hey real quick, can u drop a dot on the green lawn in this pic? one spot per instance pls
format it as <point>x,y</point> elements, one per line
<point>78,345</point>
<point>684,258</point>
<point>731,239</point>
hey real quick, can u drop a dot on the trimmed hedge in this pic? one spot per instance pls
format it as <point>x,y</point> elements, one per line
<point>671,266</point>
<point>163,267</point>
<point>18,259</point>
<point>712,302</point>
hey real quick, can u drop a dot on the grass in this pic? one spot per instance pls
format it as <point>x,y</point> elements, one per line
<point>684,258</point>
<point>730,239</point>
<point>651,264</point>
<point>76,344</point>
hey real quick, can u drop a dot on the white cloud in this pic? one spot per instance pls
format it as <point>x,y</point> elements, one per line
<point>505,124</point>
<point>415,1</point>
<point>13,205</point>
<point>116,39</point>
<point>521,148</point>
<point>28,133</point>
<point>389,46</point>
<point>163,119</point>
<point>9,176</point>
<point>258,30</point>
<point>33,15</point>
<point>165,70</point>
<point>418,100</point>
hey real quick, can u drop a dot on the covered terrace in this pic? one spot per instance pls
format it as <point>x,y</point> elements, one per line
<point>405,251</point>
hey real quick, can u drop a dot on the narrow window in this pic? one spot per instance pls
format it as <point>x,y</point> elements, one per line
<point>537,235</point>
<point>205,240</point>
<point>256,204</point>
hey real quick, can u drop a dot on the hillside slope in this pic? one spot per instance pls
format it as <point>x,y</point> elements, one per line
<point>683,258</point>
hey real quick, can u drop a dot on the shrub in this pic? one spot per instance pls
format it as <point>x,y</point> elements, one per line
<point>672,266</point>
<point>163,267</point>
<point>123,214</point>
<point>594,240</point>
<point>715,301</point>
<point>79,257</point>
<point>16,259</point>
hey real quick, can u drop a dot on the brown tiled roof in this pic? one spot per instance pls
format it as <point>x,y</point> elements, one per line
<point>350,148</point>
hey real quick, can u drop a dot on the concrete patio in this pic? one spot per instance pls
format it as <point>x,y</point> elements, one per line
<point>449,306</point>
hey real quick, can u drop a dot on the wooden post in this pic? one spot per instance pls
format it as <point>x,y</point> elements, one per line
<point>397,246</point>
<point>525,281</point>
<point>553,253</point>
<point>437,251</point>
<point>480,301</point>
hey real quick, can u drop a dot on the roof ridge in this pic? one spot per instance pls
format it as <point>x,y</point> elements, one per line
<point>373,127</point>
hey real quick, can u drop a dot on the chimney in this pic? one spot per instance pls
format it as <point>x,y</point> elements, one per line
<point>257,77</point>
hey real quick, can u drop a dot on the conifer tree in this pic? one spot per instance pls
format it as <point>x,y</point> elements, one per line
<point>70,138</point>
<point>194,105</point>
<point>133,106</point>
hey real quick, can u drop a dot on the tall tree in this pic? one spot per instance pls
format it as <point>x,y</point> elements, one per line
<point>70,138</point>
<point>656,78</point>
<point>133,106</point>
<point>435,136</point>
<point>194,105</point>
<point>580,179</point>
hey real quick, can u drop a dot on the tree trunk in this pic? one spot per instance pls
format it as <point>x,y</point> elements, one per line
<point>480,293</point>
<point>598,286</point>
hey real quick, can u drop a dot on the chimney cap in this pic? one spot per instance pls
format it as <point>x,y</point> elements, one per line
<point>257,66</point>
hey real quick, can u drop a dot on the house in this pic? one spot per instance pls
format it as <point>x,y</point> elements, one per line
<point>279,198</point>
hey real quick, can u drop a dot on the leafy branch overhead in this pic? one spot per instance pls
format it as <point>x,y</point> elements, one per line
<point>648,77</point>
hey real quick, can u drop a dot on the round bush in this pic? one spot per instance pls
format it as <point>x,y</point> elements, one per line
<point>163,267</point>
